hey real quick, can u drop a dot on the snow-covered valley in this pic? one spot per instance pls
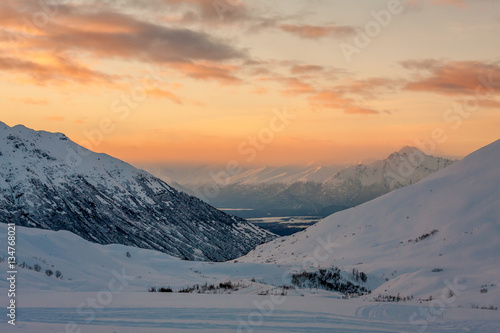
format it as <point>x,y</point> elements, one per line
<point>423,258</point>
<point>102,289</point>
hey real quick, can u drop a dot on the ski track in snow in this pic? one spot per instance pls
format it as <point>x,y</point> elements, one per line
<point>373,318</point>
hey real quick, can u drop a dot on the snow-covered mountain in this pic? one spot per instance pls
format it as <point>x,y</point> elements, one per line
<point>360,183</point>
<point>47,181</point>
<point>312,190</point>
<point>420,238</point>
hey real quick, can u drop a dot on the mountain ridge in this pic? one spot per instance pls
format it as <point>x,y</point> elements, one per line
<point>48,181</point>
<point>332,190</point>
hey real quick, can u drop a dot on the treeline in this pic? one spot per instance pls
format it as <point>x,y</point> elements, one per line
<point>331,279</point>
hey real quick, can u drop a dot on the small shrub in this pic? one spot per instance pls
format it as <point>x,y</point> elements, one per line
<point>37,268</point>
<point>392,298</point>
<point>436,270</point>
<point>128,254</point>
<point>152,289</point>
<point>165,290</point>
<point>424,236</point>
<point>226,285</point>
<point>483,290</point>
<point>49,272</point>
<point>491,307</point>
<point>58,275</point>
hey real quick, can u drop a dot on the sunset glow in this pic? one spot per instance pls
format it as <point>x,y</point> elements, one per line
<point>258,82</point>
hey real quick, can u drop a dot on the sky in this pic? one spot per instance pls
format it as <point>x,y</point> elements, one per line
<point>254,82</point>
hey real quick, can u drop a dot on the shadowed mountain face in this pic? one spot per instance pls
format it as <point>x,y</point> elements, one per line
<point>47,181</point>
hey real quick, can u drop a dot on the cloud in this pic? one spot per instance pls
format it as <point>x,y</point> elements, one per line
<point>60,70</point>
<point>315,83</point>
<point>353,109</point>
<point>306,31</point>
<point>334,100</point>
<point>213,10</point>
<point>209,71</point>
<point>306,69</point>
<point>370,86</point>
<point>127,37</point>
<point>489,103</point>
<point>453,77</point>
<point>97,32</point>
<point>294,86</point>
<point>161,93</point>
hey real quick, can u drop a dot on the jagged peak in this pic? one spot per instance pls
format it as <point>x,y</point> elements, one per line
<point>409,149</point>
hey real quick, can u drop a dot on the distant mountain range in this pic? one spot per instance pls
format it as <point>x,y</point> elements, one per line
<point>49,182</point>
<point>302,191</point>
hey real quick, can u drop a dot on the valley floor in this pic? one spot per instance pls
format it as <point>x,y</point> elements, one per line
<point>132,312</point>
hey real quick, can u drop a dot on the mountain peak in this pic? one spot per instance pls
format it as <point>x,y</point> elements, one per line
<point>409,150</point>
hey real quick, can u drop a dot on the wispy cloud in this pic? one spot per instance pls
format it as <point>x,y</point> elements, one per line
<point>161,93</point>
<point>451,77</point>
<point>369,87</point>
<point>306,69</point>
<point>334,100</point>
<point>307,31</point>
<point>59,70</point>
<point>293,86</point>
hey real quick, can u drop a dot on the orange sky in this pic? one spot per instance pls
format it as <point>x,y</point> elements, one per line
<point>259,82</point>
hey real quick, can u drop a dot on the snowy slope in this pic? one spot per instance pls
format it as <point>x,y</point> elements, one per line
<point>103,290</point>
<point>47,181</point>
<point>87,266</point>
<point>394,237</point>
